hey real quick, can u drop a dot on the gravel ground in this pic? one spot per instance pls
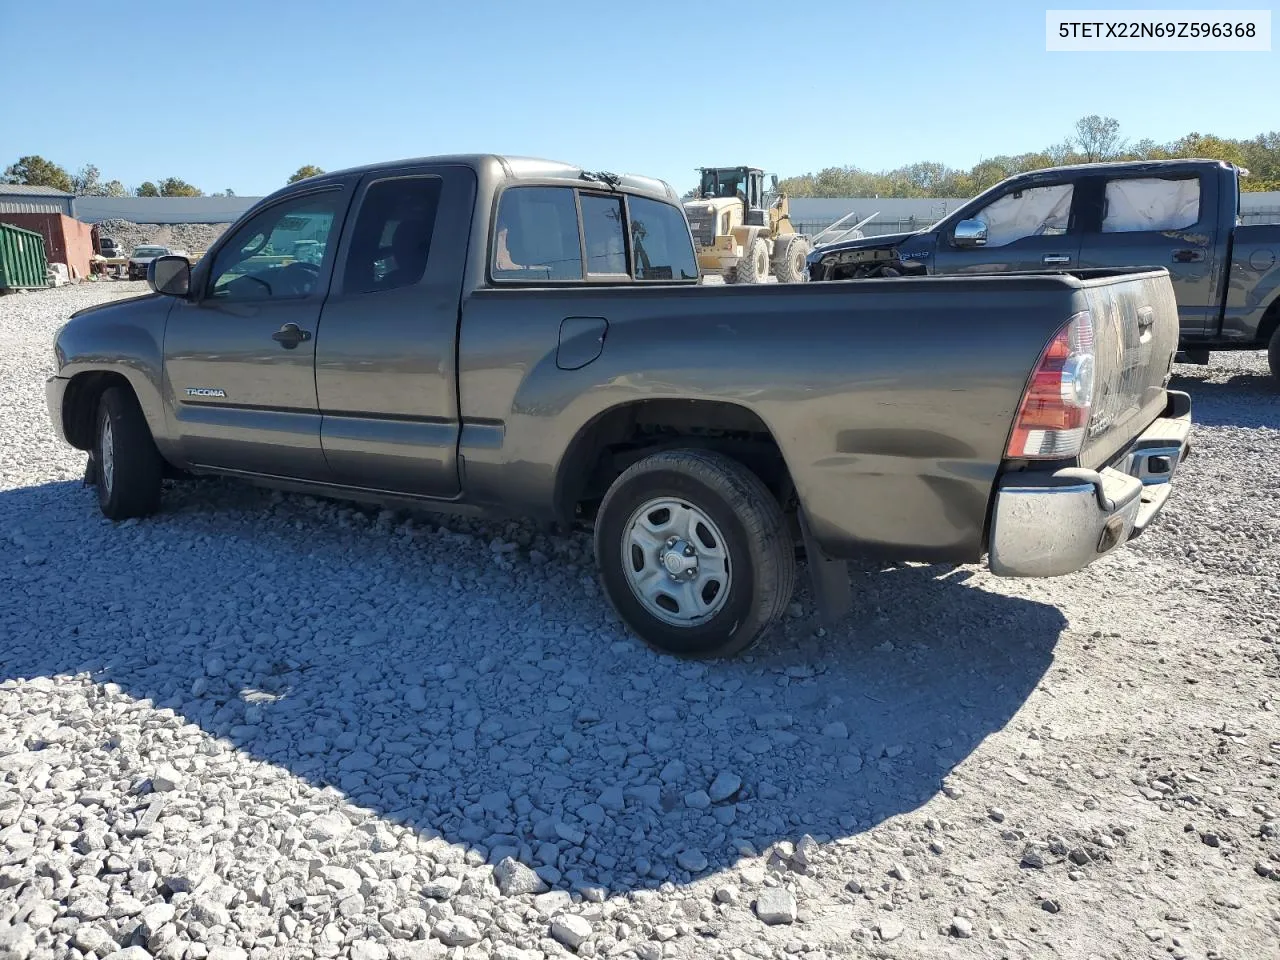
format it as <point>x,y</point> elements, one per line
<point>192,237</point>
<point>270,726</point>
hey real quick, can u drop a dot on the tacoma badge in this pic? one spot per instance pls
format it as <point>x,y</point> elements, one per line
<point>205,392</point>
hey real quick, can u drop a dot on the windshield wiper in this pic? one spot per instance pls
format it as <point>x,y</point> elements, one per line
<point>611,180</point>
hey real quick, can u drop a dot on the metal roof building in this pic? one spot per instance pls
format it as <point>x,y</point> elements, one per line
<point>163,209</point>
<point>20,198</point>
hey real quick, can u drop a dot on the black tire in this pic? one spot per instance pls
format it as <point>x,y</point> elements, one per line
<point>757,541</point>
<point>128,480</point>
<point>790,266</point>
<point>1273,354</point>
<point>754,265</point>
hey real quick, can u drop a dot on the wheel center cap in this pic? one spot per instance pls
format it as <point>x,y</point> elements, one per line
<point>676,560</point>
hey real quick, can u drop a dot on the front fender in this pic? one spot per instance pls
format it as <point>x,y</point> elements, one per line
<point>124,338</point>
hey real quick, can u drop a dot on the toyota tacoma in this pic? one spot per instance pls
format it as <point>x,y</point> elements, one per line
<point>517,337</point>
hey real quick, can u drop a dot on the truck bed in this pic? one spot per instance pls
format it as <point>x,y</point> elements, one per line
<point>897,426</point>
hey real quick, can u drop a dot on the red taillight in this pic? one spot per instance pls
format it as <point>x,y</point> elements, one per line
<point>1056,405</point>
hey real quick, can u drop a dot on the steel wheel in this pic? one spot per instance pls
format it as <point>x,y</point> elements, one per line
<point>694,553</point>
<point>107,448</point>
<point>676,562</point>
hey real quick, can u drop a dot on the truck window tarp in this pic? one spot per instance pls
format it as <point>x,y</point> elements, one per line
<point>1151,203</point>
<point>1036,211</point>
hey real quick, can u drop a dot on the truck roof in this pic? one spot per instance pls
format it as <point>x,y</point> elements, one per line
<point>1136,166</point>
<point>512,167</point>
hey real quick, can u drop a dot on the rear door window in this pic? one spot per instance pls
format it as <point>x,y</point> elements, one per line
<point>1136,204</point>
<point>602,229</point>
<point>391,239</point>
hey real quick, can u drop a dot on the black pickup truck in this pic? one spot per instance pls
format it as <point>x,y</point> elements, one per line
<point>511,336</point>
<point>1183,215</point>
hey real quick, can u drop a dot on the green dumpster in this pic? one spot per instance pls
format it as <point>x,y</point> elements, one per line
<point>22,259</point>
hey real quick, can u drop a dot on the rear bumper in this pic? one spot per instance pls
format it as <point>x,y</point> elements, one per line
<point>1048,524</point>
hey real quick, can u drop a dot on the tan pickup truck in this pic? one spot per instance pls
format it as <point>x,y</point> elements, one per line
<point>509,336</point>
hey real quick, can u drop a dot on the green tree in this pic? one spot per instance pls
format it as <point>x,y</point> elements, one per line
<point>148,189</point>
<point>36,171</point>
<point>114,188</point>
<point>1206,146</point>
<point>1098,137</point>
<point>88,182</point>
<point>176,187</point>
<point>310,170</point>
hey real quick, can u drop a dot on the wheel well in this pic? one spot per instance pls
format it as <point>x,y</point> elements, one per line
<point>1270,321</point>
<point>80,404</point>
<point>606,446</point>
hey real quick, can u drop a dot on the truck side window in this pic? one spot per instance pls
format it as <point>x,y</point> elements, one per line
<point>536,235</point>
<point>602,229</point>
<point>1031,212</point>
<point>392,235</point>
<point>1133,204</point>
<point>660,244</point>
<point>277,253</point>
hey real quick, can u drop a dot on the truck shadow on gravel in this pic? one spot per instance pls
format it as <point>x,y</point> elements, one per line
<point>469,679</point>
<point>1240,400</point>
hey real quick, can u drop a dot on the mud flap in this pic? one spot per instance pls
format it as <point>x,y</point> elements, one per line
<point>830,578</point>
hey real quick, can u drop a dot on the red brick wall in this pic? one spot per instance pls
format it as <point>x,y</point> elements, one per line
<point>65,240</point>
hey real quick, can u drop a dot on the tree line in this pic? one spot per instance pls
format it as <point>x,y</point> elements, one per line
<point>36,171</point>
<point>1092,139</point>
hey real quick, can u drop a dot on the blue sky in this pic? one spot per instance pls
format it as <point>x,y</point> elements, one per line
<point>240,94</point>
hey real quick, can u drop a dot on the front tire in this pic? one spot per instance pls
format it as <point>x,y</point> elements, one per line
<point>694,553</point>
<point>1273,354</point>
<point>754,265</point>
<point>129,467</point>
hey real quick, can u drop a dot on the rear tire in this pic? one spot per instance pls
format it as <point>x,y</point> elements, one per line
<point>1273,354</point>
<point>129,468</point>
<point>754,265</point>
<point>694,553</point>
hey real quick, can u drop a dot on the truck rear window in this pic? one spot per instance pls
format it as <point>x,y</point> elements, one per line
<point>660,243</point>
<point>537,237</point>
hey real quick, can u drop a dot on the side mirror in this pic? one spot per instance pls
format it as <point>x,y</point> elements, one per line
<point>170,275</point>
<point>970,233</point>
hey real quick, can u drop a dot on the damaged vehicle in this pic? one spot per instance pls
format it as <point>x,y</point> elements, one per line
<point>505,336</point>
<point>1183,215</point>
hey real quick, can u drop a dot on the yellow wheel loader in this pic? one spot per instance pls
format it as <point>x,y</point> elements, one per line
<point>742,233</point>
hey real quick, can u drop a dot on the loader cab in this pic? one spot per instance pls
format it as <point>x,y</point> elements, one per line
<point>743,183</point>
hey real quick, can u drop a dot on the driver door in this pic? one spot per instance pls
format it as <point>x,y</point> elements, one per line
<point>1028,228</point>
<point>239,356</point>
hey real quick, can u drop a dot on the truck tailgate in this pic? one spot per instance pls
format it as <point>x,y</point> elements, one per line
<point>1135,329</point>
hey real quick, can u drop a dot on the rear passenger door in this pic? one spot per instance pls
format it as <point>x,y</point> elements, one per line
<point>1028,228</point>
<point>385,369</point>
<point>1170,221</point>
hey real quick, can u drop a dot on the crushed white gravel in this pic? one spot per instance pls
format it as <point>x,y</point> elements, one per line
<point>270,726</point>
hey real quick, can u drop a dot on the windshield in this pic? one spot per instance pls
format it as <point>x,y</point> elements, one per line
<point>722,183</point>
<point>149,251</point>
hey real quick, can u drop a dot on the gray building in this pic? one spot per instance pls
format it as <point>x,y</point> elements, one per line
<point>20,198</point>
<point>163,209</point>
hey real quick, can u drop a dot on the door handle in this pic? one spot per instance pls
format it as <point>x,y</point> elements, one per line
<point>1056,258</point>
<point>290,335</point>
<point>1188,256</point>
